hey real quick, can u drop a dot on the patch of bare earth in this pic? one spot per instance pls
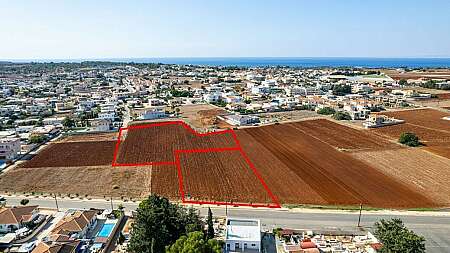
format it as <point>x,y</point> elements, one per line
<point>91,181</point>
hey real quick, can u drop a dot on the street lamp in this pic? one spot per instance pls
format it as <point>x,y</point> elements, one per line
<point>115,187</point>
<point>56,202</point>
<point>359,217</point>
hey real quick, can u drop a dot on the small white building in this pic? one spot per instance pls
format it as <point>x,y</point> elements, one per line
<point>9,148</point>
<point>240,120</point>
<point>151,113</point>
<point>100,125</point>
<point>53,121</point>
<point>107,115</point>
<point>243,235</point>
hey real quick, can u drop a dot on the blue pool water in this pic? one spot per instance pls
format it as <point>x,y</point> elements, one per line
<point>106,230</point>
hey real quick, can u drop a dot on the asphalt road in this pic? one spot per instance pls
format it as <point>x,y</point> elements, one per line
<point>435,227</point>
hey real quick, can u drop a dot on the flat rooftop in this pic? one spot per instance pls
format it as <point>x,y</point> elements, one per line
<point>243,230</point>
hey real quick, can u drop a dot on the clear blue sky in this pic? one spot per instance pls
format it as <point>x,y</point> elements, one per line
<point>71,29</point>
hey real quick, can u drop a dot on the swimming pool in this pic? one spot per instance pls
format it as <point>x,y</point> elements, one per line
<point>106,230</point>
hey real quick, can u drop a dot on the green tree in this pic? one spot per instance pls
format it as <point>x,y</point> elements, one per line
<point>409,139</point>
<point>160,223</point>
<point>24,202</point>
<point>397,238</point>
<point>68,122</point>
<point>402,82</point>
<point>341,90</point>
<point>35,138</point>
<point>195,242</point>
<point>209,222</point>
<point>341,116</point>
<point>326,111</point>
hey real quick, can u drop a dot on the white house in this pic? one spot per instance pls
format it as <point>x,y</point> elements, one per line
<point>100,125</point>
<point>240,120</point>
<point>212,97</point>
<point>243,235</point>
<point>107,115</point>
<point>53,121</point>
<point>9,148</point>
<point>151,113</point>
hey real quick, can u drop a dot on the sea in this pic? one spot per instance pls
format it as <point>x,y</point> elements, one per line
<point>305,62</point>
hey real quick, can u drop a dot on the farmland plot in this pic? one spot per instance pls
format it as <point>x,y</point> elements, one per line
<point>427,118</point>
<point>220,177</point>
<point>338,178</point>
<point>93,181</point>
<point>73,154</point>
<point>158,143</point>
<point>427,172</point>
<point>341,137</point>
<point>164,181</point>
<point>427,124</point>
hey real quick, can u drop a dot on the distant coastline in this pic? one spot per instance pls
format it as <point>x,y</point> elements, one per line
<point>306,62</point>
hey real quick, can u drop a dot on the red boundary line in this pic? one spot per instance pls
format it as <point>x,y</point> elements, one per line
<point>275,204</point>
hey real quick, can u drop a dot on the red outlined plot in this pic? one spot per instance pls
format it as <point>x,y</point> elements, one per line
<point>221,176</point>
<point>155,144</point>
<point>211,144</point>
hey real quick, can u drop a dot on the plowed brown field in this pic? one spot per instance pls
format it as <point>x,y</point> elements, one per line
<point>417,168</point>
<point>229,178</point>
<point>427,118</point>
<point>165,181</point>
<point>335,176</point>
<point>73,154</point>
<point>156,144</point>
<point>427,124</point>
<point>425,134</point>
<point>342,137</point>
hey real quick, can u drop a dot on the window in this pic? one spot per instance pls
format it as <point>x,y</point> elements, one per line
<point>253,245</point>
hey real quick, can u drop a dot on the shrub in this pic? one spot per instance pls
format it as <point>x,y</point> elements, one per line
<point>24,202</point>
<point>342,116</point>
<point>409,139</point>
<point>326,111</point>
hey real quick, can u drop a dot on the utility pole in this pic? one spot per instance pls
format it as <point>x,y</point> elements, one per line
<point>359,217</point>
<point>56,202</point>
<point>112,207</point>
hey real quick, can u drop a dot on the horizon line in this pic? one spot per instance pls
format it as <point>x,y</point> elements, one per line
<point>22,60</point>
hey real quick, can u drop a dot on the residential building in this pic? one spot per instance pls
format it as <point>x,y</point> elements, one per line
<point>100,125</point>
<point>240,120</point>
<point>243,235</point>
<point>76,224</point>
<point>151,113</point>
<point>9,148</point>
<point>14,218</point>
<point>58,247</point>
